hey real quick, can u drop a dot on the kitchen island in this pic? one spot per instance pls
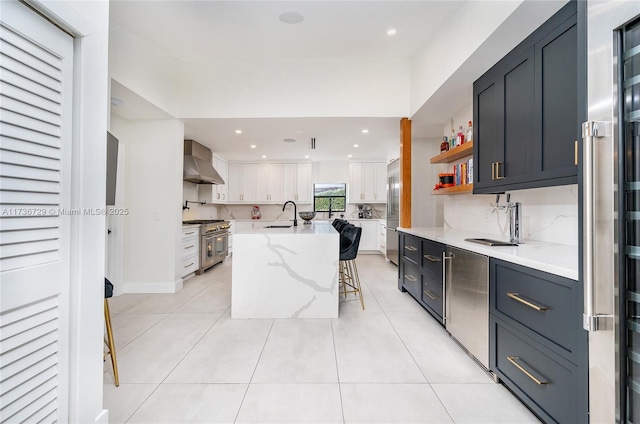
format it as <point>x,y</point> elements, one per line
<point>285,272</point>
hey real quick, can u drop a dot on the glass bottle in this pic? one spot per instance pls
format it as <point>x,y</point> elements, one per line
<point>469,132</point>
<point>460,136</point>
<point>452,139</point>
<point>444,146</point>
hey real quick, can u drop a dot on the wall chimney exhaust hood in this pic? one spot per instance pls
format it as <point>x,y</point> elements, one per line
<point>197,164</point>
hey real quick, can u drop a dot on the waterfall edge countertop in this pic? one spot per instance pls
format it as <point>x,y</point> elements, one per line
<point>285,272</point>
<point>558,259</point>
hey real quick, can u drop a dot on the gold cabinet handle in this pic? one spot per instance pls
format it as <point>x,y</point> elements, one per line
<point>189,247</point>
<point>512,359</point>
<point>410,278</point>
<point>575,152</point>
<point>515,296</point>
<point>187,266</point>
<point>431,296</point>
<point>411,248</point>
<point>493,170</point>
<point>192,232</point>
<point>498,177</point>
<point>432,258</point>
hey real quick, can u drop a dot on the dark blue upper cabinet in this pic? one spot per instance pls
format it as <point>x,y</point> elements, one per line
<point>525,112</point>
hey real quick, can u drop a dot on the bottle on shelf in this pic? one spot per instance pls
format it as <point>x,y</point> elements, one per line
<point>469,133</point>
<point>452,139</point>
<point>444,146</point>
<point>460,136</point>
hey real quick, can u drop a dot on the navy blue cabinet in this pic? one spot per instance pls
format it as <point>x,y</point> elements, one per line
<point>537,345</point>
<point>525,112</point>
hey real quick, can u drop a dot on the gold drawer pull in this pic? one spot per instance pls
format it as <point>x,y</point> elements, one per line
<point>515,296</point>
<point>512,359</point>
<point>187,266</point>
<point>428,293</point>
<point>410,278</point>
<point>498,177</point>
<point>575,152</point>
<point>432,258</point>
<point>192,232</point>
<point>189,247</point>
<point>411,248</point>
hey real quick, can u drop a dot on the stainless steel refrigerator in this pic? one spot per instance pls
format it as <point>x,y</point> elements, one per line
<point>393,210</point>
<point>610,212</point>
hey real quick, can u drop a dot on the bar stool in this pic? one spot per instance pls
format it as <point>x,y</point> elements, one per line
<point>339,224</point>
<point>348,271</point>
<point>111,346</point>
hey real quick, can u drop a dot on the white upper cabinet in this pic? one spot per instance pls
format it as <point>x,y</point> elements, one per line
<point>367,182</point>
<point>297,182</point>
<point>269,178</point>
<point>216,193</point>
<point>242,182</point>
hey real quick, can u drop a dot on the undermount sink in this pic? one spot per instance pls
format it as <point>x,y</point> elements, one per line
<point>278,226</point>
<point>490,242</point>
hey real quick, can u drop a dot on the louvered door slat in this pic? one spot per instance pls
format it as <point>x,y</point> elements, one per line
<point>20,76</point>
<point>7,264</point>
<point>26,349</point>
<point>44,315</point>
<point>17,106</point>
<point>27,410</point>
<point>17,184</point>
<point>11,118</point>
<point>47,415</point>
<point>27,59</point>
<point>26,134</point>
<point>26,375</point>
<point>30,396</point>
<point>16,93</point>
<point>29,334</point>
<point>29,173</point>
<point>22,159</point>
<point>44,378</point>
<point>27,311</point>
<point>29,148</point>
<point>15,367</point>
<point>12,224</point>
<point>23,249</point>
<point>27,198</point>
<point>29,235</point>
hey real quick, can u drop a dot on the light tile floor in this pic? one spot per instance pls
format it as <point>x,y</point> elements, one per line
<point>182,359</point>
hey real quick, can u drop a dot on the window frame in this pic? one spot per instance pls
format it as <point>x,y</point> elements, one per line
<point>331,197</point>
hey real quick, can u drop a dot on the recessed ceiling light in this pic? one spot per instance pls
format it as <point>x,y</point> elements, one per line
<point>391,31</point>
<point>291,18</point>
<point>349,156</point>
<point>365,131</point>
<point>253,146</point>
<point>306,156</point>
<point>264,156</point>
<point>289,140</point>
<point>238,131</point>
<point>356,145</point>
<point>116,101</point>
<point>298,132</point>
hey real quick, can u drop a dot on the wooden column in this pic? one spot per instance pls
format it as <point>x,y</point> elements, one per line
<point>405,173</point>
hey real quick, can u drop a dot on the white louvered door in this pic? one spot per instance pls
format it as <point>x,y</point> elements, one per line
<point>36,66</point>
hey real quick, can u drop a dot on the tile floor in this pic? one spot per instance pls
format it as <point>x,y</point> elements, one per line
<point>183,360</point>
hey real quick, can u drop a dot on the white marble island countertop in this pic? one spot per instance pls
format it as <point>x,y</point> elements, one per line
<point>285,272</point>
<point>558,259</point>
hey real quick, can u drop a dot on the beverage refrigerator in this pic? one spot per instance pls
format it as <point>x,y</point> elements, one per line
<point>393,210</point>
<point>610,206</point>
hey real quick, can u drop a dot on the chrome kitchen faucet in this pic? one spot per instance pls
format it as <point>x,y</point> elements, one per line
<point>515,218</point>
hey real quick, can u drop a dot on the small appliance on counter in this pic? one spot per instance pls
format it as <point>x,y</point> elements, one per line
<point>360,211</point>
<point>368,213</point>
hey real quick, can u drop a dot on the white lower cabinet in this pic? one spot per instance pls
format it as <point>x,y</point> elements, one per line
<point>382,237</point>
<point>368,238</point>
<point>190,249</point>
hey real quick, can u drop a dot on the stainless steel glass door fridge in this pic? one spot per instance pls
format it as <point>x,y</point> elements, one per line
<point>393,210</point>
<point>610,199</point>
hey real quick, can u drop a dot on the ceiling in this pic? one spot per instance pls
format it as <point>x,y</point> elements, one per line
<point>244,30</point>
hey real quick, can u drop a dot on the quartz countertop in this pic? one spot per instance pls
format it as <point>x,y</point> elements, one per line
<point>320,227</point>
<point>558,259</point>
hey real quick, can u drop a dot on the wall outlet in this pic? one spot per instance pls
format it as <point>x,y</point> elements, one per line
<point>487,217</point>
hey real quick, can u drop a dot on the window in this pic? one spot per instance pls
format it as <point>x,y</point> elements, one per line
<point>329,197</point>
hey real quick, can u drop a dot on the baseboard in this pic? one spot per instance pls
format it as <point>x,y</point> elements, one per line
<point>167,287</point>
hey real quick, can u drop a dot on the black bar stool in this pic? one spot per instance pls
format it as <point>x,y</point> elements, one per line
<point>339,224</point>
<point>349,279</point>
<point>111,346</point>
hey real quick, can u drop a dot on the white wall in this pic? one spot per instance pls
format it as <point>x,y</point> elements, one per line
<point>153,196</point>
<point>426,209</point>
<point>144,68</point>
<point>294,88</point>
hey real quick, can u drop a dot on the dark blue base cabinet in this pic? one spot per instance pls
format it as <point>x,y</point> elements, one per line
<point>537,345</point>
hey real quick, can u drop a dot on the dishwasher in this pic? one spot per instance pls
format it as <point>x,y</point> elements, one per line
<point>467,301</point>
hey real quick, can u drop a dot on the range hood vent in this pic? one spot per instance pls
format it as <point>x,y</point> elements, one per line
<point>197,164</point>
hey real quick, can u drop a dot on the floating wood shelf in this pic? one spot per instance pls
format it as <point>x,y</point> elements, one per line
<point>454,154</point>
<point>467,188</point>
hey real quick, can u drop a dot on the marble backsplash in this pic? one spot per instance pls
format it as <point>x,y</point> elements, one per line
<point>549,214</point>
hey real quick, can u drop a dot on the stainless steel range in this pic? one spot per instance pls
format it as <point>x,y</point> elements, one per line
<point>214,242</point>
